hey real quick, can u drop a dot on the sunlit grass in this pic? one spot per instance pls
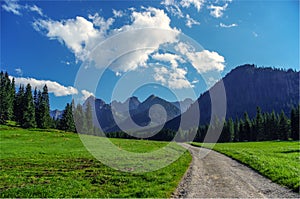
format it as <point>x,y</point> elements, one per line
<point>279,161</point>
<point>36,163</point>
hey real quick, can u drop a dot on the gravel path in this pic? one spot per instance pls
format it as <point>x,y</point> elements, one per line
<point>216,175</point>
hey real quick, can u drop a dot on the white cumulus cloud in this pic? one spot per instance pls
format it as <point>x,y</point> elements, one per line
<point>202,61</point>
<point>86,94</point>
<point>196,3</point>
<point>167,57</point>
<point>174,78</point>
<point>126,48</point>
<point>217,11</point>
<point>53,87</point>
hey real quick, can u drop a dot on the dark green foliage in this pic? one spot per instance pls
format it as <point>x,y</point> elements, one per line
<point>283,127</point>
<point>43,109</point>
<point>19,105</point>
<point>28,118</point>
<point>67,121</point>
<point>295,123</point>
<point>79,118</point>
<point>88,117</point>
<point>259,126</point>
<point>7,93</point>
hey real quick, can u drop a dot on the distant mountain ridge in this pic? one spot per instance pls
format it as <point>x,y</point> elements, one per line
<point>247,87</point>
<point>108,115</point>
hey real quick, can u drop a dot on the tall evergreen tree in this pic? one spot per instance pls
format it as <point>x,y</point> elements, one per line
<point>283,127</point>
<point>259,126</point>
<point>28,118</point>
<point>295,123</point>
<point>19,105</point>
<point>247,128</point>
<point>231,130</point>
<point>89,119</point>
<point>79,119</point>
<point>6,96</point>
<point>236,130</point>
<point>67,120</point>
<point>44,109</point>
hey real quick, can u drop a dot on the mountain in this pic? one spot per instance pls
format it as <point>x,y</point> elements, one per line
<point>109,115</point>
<point>247,87</point>
<point>56,114</point>
<point>183,105</point>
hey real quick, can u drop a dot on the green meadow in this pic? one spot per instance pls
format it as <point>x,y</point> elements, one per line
<point>279,161</point>
<point>51,163</point>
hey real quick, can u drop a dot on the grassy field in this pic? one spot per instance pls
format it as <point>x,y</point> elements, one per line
<point>43,163</point>
<point>279,161</point>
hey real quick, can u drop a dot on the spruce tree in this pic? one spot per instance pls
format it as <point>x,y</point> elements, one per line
<point>7,98</point>
<point>259,126</point>
<point>28,117</point>
<point>247,127</point>
<point>236,130</point>
<point>89,119</point>
<point>283,127</point>
<point>295,123</point>
<point>79,118</point>
<point>44,109</point>
<point>19,105</point>
<point>231,130</point>
<point>67,121</point>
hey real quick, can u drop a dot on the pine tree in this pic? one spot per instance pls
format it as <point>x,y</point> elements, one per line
<point>231,130</point>
<point>247,127</point>
<point>236,130</point>
<point>89,119</point>
<point>44,120</point>
<point>28,117</point>
<point>67,121</point>
<point>283,127</point>
<point>295,123</point>
<point>6,96</point>
<point>19,105</point>
<point>273,126</point>
<point>259,126</point>
<point>79,119</point>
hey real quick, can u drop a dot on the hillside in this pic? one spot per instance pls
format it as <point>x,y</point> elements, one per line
<point>247,87</point>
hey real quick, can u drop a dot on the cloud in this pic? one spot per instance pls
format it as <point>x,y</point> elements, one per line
<point>19,71</point>
<point>86,94</point>
<point>34,8</point>
<point>228,26</point>
<point>196,3</point>
<point>76,33</point>
<point>174,78</point>
<point>53,87</point>
<point>202,61</point>
<point>190,21</point>
<point>12,6</point>
<point>255,34</point>
<point>173,8</point>
<point>118,13</point>
<point>148,29</point>
<point>101,22</point>
<point>217,11</point>
<point>167,57</point>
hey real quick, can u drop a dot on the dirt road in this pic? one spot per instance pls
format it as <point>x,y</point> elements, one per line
<point>216,175</point>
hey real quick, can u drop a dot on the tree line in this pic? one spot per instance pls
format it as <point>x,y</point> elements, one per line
<point>32,109</point>
<point>263,127</point>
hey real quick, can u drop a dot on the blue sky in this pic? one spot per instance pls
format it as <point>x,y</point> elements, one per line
<point>174,49</point>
